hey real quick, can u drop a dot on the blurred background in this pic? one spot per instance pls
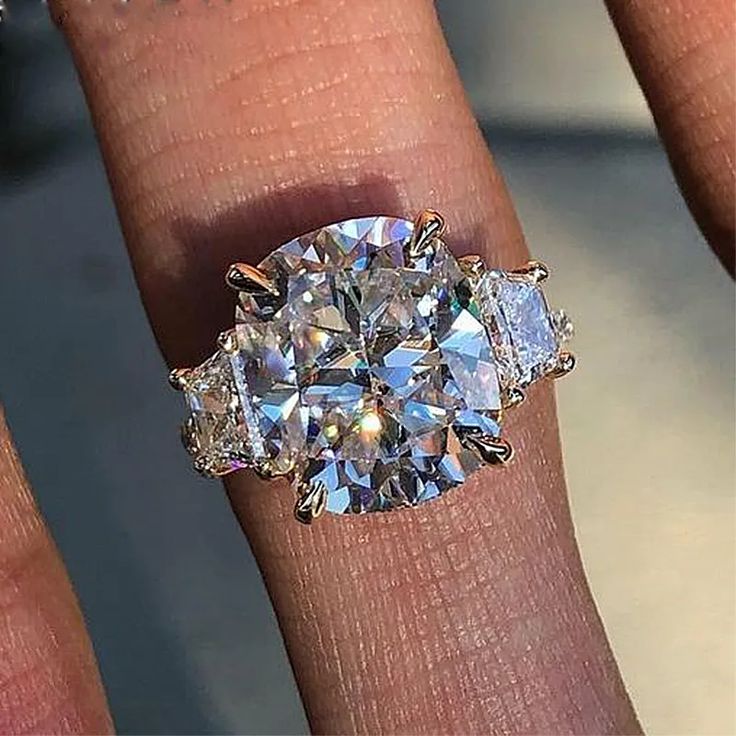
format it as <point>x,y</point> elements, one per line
<point>181,624</point>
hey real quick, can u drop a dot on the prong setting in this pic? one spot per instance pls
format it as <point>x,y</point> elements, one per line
<point>472,266</point>
<point>251,280</point>
<point>491,450</point>
<point>212,469</point>
<point>428,225</point>
<point>267,471</point>
<point>535,271</point>
<point>514,396</point>
<point>228,342</point>
<point>178,378</point>
<point>566,362</point>
<point>311,502</point>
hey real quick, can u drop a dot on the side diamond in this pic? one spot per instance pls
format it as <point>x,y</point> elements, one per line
<point>526,340</point>
<point>215,433</point>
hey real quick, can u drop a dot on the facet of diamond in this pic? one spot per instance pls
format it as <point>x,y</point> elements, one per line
<point>370,367</point>
<point>215,433</point>
<point>526,339</point>
<point>265,377</point>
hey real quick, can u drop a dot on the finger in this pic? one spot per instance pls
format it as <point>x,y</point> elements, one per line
<point>683,54</point>
<point>48,676</point>
<point>228,128</point>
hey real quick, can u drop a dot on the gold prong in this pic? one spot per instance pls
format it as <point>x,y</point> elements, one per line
<point>428,225</point>
<point>535,271</point>
<point>212,469</point>
<point>242,277</point>
<point>178,378</point>
<point>565,363</point>
<point>228,342</point>
<point>472,265</point>
<point>514,397</point>
<point>266,471</point>
<point>491,450</point>
<point>311,502</point>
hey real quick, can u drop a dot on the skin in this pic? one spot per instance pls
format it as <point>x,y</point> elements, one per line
<point>683,54</point>
<point>227,128</point>
<point>49,681</point>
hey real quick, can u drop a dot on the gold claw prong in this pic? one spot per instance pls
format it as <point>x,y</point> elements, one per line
<point>536,271</point>
<point>212,468</point>
<point>267,471</point>
<point>178,378</point>
<point>311,502</point>
<point>249,279</point>
<point>514,397</point>
<point>228,342</point>
<point>472,265</point>
<point>428,225</point>
<point>491,450</point>
<point>565,363</point>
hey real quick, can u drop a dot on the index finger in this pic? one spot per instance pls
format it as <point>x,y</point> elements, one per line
<point>683,54</point>
<point>228,128</point>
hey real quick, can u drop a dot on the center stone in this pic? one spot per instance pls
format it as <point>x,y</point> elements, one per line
<point>369,368</point>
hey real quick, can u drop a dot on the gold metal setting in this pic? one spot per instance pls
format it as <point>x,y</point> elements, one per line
<point>312,496</point>
<point>566,362</point>
<point>491,450</point>
<point>252,280</point>
<point>472,265</point>
<point>428,225</point>
<point>311,502</point>
<point>268,471</point>
<point>228,342</point>
<point>535,271</point>
<point>513,396</point>
<point>178,378</point>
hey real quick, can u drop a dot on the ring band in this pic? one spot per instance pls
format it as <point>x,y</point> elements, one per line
<point>371,366</point>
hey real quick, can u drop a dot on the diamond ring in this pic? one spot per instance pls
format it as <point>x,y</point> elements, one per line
<point>370,366</point>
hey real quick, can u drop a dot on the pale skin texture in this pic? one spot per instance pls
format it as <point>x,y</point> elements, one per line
<point>230,126</point>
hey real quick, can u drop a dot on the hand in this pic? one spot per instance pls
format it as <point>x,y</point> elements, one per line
<point>228,128</point>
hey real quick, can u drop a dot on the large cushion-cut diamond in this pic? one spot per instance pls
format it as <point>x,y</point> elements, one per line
<point>368,369</point>
<point>265,376</point>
